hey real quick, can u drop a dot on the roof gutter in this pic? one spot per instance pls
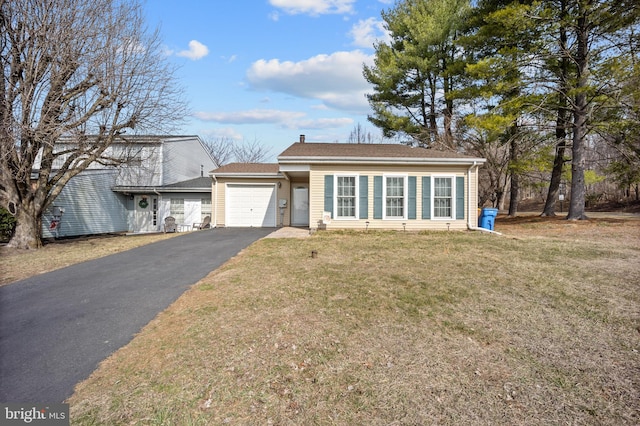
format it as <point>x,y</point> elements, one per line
<point>215,200</point>
<point>154,189</point>
<point>382,160</point>
<point>248,175</point>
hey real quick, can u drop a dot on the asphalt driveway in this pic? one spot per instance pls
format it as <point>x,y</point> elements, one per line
<point>57,327</point>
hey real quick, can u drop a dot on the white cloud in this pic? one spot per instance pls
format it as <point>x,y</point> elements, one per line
<point>274,16</point>
<point>313,7</point>
<point>285,119</point>
<point>323,123</point>
<point>222,133</point>
<point>368,32</point>
<point>196,51</point>
<point>254,116</point>
<point>229,59</point>
<point>334,79</point>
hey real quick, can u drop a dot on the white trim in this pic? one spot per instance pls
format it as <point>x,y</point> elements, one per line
<point>380,160</point>
<point>405,196</point>
<point>453,196</point>
<point>295,168</point>
<point>356,196</point>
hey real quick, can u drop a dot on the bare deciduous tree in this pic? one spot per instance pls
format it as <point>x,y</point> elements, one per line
<point>73,68</point>
<point>361,135</point>
<point>250,152</point>
<point>221,150</point>
<point>225,151</point>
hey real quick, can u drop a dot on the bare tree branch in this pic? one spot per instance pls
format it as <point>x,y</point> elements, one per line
<point>74,68</point>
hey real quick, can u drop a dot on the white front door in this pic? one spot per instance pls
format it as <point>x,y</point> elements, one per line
<point>146,207</point>
<point>300,205</point>
<point>192,211</point>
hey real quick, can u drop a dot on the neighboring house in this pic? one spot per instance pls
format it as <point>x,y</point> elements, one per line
<point>165,176</point>
<point>359,186</point>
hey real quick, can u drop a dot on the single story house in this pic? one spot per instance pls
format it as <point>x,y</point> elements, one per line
<point>350,186</point>
<point>163,176</point>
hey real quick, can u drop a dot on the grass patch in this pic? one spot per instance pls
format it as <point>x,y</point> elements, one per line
<point>20,264</point>
<point>393,328</point>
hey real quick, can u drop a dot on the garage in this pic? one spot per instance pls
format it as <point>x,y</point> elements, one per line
<point>250,205</point>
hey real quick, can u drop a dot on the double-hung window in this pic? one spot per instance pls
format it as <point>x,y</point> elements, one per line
<point>442,197</point>
<point>205,208</point>
<point>176,209</point>
<point>346,196</point>
<point>395,197</point>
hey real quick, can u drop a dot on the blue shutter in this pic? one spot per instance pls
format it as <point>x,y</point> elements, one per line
<point>328,194</point>
<point>377,197</point>
<point>426,197</point>
<point>364,197</point>
<point>412,197</point>
<point>459,197</point>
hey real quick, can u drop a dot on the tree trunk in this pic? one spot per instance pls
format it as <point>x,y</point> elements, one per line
<point>28,232</point>
<point>578,189</point>
<point>556,176</point>
<point>514,191</point>
<point>561,125</point>
<point>514,198</point>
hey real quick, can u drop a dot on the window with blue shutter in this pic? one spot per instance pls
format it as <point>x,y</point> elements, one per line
<point>328,194</point>
<point>377,197</point>
<point>364,197</point>
<point>412,197</point>
<point>426,197</point>
<point>459,197</point>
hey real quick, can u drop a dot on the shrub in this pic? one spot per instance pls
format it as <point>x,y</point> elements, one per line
<point>7,224</point>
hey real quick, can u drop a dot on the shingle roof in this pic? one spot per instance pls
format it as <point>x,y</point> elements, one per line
<point>200,182</point>
<point>248,168</point>
<point>351,150</point>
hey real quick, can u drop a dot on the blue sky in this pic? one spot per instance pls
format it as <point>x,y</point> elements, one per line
<point>270,70</point>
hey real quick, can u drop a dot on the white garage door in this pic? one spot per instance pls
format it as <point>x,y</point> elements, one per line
<point>251,205</point>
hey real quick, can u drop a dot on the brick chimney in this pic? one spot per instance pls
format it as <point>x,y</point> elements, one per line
<point>301,138</point>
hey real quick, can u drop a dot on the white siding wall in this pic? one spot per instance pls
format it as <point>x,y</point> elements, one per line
<point>182,160</point>
<point>91,207</point>
<point>192,207</point>
<point>145,170</point>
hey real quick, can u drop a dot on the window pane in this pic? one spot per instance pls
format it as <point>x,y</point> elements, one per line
<point>442,197</point>
<point>205,208</point>
<point>346,196</point>
<point>395,197</point>
<point>176,209</point>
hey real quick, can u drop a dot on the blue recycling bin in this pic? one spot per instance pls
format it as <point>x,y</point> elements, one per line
<point>487,218</point>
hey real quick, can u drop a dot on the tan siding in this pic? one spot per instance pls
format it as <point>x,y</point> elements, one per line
<point>316,202</point>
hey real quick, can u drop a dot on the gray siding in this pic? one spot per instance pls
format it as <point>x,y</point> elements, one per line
<point>91,207</point>
<point>182,159</point>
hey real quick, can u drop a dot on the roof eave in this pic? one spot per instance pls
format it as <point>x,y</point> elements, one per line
<point>150,189</point>
<point>247,175</point>
<point>381,160</point>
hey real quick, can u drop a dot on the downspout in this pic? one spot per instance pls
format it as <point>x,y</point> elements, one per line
<point>215,202</point>
<point>472,226</point>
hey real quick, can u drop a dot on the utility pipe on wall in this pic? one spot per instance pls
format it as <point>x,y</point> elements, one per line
<point>472,226</point>
<point>214,202</point>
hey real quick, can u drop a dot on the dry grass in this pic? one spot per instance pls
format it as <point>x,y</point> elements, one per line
<point>20,264</point>
<point>394,328</point>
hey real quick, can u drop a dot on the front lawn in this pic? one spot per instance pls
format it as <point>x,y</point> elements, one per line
<point>539,326</point>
